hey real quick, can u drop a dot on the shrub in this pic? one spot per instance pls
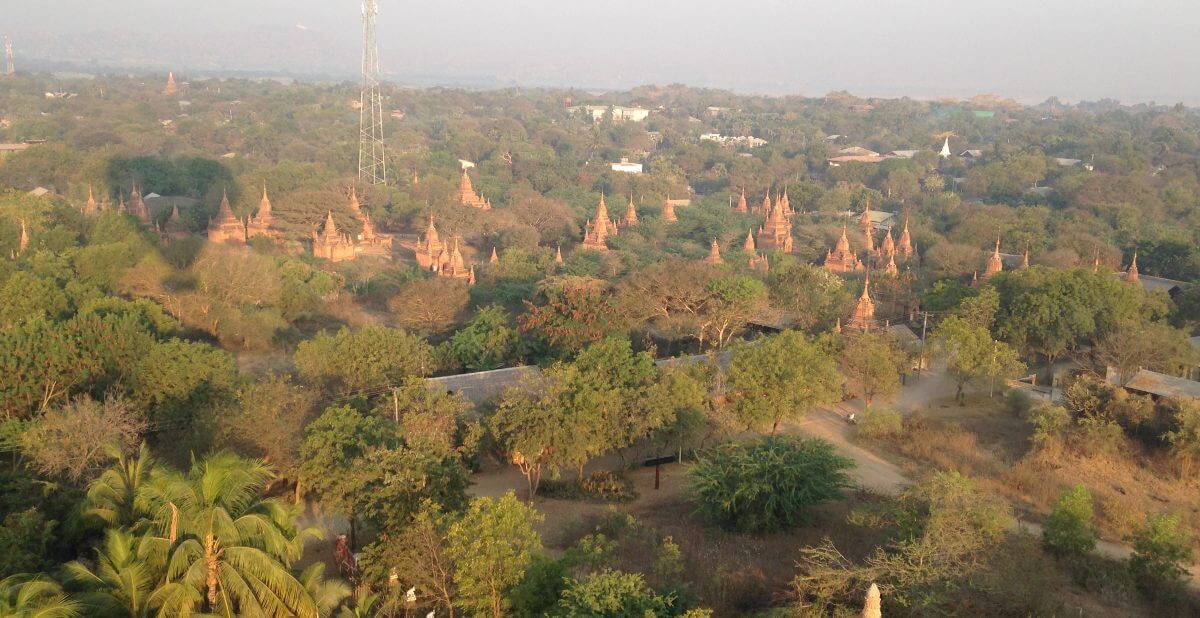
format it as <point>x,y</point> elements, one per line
<point>607,487</point>
<point>602,486</point>
<point>1098,437</point>
<point>1161,553</point>
<point>1069,531</point>
<point>540,587</point>
<point>614,593</point>
<point>1050,424</point>
<point>768,484</point>
<point>879,424</point>
<point>1018,402</point>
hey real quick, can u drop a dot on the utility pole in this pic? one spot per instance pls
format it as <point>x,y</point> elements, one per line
<point>372,162</point>
<point>8,54</point>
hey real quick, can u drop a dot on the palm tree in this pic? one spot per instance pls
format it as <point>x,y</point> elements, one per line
<point>121,583</point>
<point>327,593</point>
<point>366,605</point>
<point>225,549</point>
<point>35,596</point>
<point>112,498</point>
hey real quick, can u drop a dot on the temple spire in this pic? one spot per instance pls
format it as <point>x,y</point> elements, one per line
<point>748,246</point>
<point>90,208</point>
<point>224,211</point>
<point>714,253</point>
<point>872,608</point>
<point>330,229</point>
<point>1132,275</point>
<point>558,258</point>
<point>994,263</point>
<point>495,258</point>
<point>863,318</point>
<point>23,242</point>
<point>905,245</point>
<point>741,203</point>
<point>668,210</point>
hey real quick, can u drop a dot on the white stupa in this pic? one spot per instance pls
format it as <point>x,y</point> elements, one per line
<point>945,153</point>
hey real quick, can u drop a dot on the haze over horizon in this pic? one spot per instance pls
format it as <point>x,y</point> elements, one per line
<point>1023,49</point>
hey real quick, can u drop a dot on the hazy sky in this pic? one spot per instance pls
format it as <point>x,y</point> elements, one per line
<point>1133,50</point>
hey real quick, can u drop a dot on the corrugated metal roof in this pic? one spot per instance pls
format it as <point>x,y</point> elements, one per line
<point>1160,384</point>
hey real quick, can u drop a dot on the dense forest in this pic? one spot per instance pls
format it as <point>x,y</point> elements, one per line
<point>200,427</point>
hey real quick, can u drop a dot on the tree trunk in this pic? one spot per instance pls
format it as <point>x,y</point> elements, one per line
<point>212,569</point>
<point>775,427</point>
<point>173,532</point>
<point>497,604</point>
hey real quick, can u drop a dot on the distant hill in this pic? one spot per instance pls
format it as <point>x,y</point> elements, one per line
<point>279,50</point>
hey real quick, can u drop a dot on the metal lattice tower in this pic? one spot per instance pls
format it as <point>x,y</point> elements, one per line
<point>372,162</point>
<point>8,54</point>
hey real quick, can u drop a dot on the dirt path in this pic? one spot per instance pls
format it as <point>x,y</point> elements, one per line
<point>880,475</point>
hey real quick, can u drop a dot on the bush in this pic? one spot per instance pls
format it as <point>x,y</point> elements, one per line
<point>1018,402</point>
<point>1161,554</point>
<point>1069,531</point>
<point>879,424</point>
<point>602,486</point>
<point>769,484</point>
<point>1096,437</point>
<point>540,587</point>
<point>614,593</point>
<point>1050,424</point>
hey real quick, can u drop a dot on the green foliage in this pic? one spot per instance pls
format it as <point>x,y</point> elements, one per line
<point>390,485</point>
<point>1069,530</point>
<point>971,354</point>
<point>25,296</point>
<point>363,360</point>
<point>872,363</point>
<point>945,295</point>
<point>331,446</point>
<point>572,313</point>
<point>304,289</point>
<point>491,545</point>
<point>26,535</point>
<point>606,399</point>
<point>615,594</point>
<point>945,528</point>
<point>1162,554</point>
<point>487,342</point>
<point>769,484</point>
<point>601,486</point>
<point>781,378</point>
<point>879,424</point>
<point>1185,438</point>
<point>1049,311</point>
<point>35,596</point>
<point>1050,424</point>
<point>540,588</point>
<point>225,548</point>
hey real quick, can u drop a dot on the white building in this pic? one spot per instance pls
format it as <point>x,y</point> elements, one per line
<point>619,113</point>
<point>627,167</point>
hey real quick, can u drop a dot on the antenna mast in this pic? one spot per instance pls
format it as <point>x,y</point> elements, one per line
<point>372,163</point>
<point>8,54</point>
